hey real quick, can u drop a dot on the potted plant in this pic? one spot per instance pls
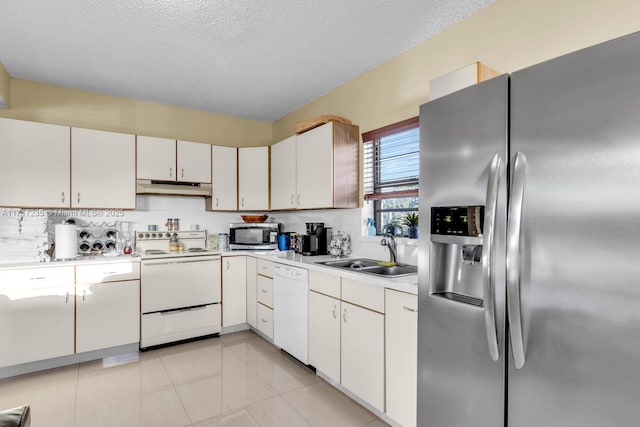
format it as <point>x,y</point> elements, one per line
<point>411,221</point>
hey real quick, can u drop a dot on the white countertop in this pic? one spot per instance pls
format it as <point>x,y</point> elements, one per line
<point>407,284</point>
<point>76,261</point>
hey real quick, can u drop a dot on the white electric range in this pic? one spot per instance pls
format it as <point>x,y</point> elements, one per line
<point>180,291</point>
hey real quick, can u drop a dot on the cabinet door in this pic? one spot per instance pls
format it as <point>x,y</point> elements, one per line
<point>252,286</point>
<point>34,165</point>
<point>224,173</point>
<point>194,162</point>
<point>314,154</point>
<point>324,334</point>
<point>283,174</point>
<point>234,290</point>
<point>97,324</point>
<point>36,314</point>
<point>253,178</point>
<point>401,349</point>
<point>103,169</point>
<point>362,356</point>
<point>156,158</point>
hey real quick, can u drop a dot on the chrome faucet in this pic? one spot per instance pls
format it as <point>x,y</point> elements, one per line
<point>390,242</point>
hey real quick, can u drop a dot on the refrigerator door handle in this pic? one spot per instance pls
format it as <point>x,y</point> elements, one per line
<point>514,309</point>
<point>488,276</point>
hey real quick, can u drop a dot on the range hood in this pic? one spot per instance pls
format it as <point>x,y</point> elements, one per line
<point>147,186</point>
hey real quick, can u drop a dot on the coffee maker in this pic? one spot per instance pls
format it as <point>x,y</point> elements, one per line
<point>316,241</point>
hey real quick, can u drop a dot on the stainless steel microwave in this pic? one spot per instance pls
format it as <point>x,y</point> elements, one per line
<point>254,236</point>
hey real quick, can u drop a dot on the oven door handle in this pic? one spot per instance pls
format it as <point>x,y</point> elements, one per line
<point>159,262</point>
<point>182,310</point>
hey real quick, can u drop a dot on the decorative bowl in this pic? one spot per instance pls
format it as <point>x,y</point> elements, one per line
<point>254,218</point>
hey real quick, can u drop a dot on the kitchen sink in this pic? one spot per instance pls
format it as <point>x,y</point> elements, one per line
<point>371,266</point>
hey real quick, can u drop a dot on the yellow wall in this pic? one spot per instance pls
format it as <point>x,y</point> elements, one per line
<point>58,105</point>
<point>5,83</point>
<point>508,35</point>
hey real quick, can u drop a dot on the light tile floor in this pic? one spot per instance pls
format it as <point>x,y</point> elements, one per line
<point>234,380</point>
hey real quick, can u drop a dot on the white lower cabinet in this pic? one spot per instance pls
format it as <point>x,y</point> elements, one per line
<point>346,336</point>
<point>107,315</point>
<point>36,314</point>
<point>252,289</point>
<point>324,334</point>
<point>107,305</point>
<point>401,349</point>
<point>362,353</point>
<point>234,290</point>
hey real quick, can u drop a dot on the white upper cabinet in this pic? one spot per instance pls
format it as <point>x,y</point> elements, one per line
<point>224,165</point>
<point>156,158</point>
<point>102,169</point>
<point>34,165</point>
<point>315,163</point>
<point>193,162</point>
<point>283,174</point>
<point>165,159</point>
<point>316,169</point>
<point>253,178</point>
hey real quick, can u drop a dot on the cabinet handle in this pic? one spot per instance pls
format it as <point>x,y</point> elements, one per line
<point>264,320</point>
<point>38,278</point>
<point>298,200</point>
<point>66,298</point>
<point>264,291</point>
<point>292,200</point>
<point>109,272</point>
<point>78,198</point>
<point>344,315</point>
<point>227,264</point>
<point>84,294</point>
<point>216,202</point>
<point>413,310</point>
<point>335,316</point>
<point>171,172</point>
<point>242,203</point>
<point>62,198</point>
<point>181,172</point>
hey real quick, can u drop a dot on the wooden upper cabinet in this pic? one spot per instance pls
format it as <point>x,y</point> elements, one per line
<point>102,169</point>
<point>253,178</point>
<point>224,174</point>
<point>165,159</point>
<point>156,158</point>
<point>193,162</point>
<point>35,164</point>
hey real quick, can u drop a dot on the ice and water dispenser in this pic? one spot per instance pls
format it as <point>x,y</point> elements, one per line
<point>456,243</point>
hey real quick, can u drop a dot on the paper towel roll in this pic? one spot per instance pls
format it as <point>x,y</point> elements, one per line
<point>66,241</point>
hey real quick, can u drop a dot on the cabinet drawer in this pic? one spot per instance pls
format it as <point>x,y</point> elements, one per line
<point>363,294</point>
<point>327,284</point>
<point>265,268</point>
<point>107,272</point>
<point>265,291</point>
<point>38,276</point>
<point>265,320</point>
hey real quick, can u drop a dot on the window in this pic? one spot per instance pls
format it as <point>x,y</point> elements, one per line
<point>391,171</point>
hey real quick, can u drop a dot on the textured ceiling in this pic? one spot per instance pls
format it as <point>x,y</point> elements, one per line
<point>258,59</point>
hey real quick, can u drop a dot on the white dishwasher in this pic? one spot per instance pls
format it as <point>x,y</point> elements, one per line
<point>290,308</point>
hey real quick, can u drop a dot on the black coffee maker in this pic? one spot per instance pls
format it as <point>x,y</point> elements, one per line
<point>315,242</point>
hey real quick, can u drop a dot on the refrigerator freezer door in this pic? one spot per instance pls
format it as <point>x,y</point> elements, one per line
<point>459,382</point>
<point>577,120</point>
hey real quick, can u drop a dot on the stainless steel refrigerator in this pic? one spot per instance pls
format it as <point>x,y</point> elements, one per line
<point>529,289</point>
